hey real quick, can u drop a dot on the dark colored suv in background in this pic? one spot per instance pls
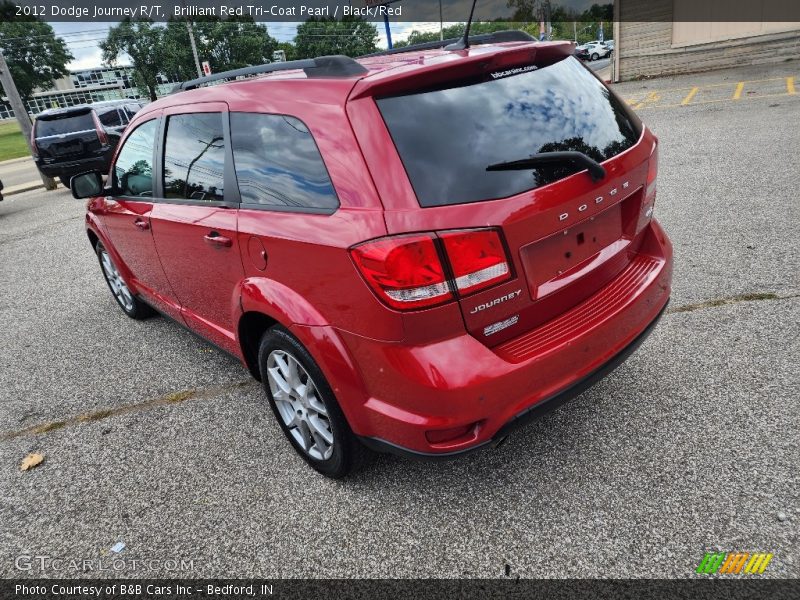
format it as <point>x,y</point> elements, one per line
<point>68,141</point>
<point>415,252</point>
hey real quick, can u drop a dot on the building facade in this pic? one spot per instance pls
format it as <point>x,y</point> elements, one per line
<point>85,87</point>
<point>664,37</point>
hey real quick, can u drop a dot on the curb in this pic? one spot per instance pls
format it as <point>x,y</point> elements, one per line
<point>22,187</point>
<point>12,161</point>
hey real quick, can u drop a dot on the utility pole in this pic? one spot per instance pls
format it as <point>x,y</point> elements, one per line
<point>194,46</point>
<point>441,23</point>
<point>20,112</point>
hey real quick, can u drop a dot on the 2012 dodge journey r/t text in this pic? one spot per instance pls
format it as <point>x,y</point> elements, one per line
<point>415,251</point>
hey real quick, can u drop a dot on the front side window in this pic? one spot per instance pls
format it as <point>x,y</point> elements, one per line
<point>133,170</point>
<point>278,164</point>
<point>194,157</point>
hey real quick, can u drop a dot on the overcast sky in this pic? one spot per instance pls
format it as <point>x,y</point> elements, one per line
<point>82,38</point>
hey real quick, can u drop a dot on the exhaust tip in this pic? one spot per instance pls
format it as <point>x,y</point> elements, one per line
<point>499,442</point>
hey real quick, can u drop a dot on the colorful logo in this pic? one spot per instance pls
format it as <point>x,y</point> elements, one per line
<point>734,563</point>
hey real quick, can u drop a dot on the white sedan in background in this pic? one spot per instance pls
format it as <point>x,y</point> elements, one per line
<point>592,51</point>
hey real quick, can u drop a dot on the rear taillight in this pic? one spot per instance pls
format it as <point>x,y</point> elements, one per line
<point>101,132</point>
<point>406,271</point>
<point>34,148</point>
<point>652,173</point>
<point>650,190</point>
<point>477,258</point>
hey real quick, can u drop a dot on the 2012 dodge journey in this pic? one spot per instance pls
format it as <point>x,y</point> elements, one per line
<point>415,252</point>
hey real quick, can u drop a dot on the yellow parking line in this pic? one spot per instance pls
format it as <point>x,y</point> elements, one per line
<point>689,96</point>
<point>738,93</point>
<point>714,85</point>
<point>790,85</point>
<point>758,97</point>
<point>651,97</point>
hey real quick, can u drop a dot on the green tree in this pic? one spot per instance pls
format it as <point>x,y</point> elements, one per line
<point>35,56</point>
<point>457,30</point>
<point>234,43</point>
<point>289,48</point>
<point>322,36</point>
<point>142,41</point>
<point>226,44</point>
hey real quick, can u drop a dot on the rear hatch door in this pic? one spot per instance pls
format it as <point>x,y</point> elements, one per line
<point>566,234</point>
<point>65,136</point>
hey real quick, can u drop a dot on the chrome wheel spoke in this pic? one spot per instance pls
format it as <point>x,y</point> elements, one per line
<point>125,293</point>
<point>317,406</point>
<point>305,434</point>
<point>277,377</point>
<point>301,391</point>
<point>321,428</point>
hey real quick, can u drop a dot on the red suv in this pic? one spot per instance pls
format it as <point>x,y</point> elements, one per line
<point>415,252</point>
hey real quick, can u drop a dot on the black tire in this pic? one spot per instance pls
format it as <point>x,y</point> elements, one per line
<point>595,56</point>
<point>348,454</point>
<point>136,308</point>
<point>64,179</point>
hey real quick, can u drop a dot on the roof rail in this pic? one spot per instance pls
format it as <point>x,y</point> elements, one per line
<point>322,66</point>
<point>497,37</point>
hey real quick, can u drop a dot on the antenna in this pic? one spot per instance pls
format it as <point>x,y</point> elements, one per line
<point>463,43</point>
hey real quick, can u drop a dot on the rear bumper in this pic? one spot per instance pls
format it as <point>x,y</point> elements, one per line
<point>73,167</point>
<point>394,394</point>
<point>529,414</point>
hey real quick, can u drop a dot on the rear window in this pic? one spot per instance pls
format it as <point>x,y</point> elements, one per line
<point>278,164</point>
<point>446,138</point>
<point>47,126</point>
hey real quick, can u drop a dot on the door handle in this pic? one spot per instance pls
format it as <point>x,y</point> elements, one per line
<point>142,224</point>
<point>215,239</point>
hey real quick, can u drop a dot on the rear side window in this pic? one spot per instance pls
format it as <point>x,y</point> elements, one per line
<point>133,170</point>
<point>47,126</point>
<point>110,118</point>
<point>279,165</point>
<point>446,138</point>
<point>194,157</point>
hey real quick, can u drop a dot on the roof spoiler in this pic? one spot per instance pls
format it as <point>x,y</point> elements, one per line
<point>320,67</point>
<point>498,37</point>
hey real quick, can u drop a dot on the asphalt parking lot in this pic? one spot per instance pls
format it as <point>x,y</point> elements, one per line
<point>153,438</point>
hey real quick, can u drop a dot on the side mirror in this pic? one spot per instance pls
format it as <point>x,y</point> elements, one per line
<point>87,185</point>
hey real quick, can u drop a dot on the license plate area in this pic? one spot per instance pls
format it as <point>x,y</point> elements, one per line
<point>565,256</point>
<point>68,148</point>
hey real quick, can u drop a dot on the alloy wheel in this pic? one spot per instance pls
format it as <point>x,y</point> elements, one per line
<point>115,282</point>
<point>300,405</point>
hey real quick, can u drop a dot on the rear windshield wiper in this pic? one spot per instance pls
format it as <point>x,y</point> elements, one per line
<point>596,170</point>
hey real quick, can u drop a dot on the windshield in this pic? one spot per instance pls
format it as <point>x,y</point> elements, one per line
<point>446,138</point>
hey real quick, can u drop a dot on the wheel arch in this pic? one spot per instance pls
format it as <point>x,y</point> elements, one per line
<point>265,303</point>
<point>93,238</point>
<point>251,328</point>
